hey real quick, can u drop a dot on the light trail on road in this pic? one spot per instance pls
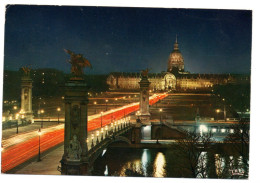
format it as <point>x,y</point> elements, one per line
<point>23,147</point>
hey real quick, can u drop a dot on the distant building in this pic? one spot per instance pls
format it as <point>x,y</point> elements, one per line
<point>175,78</point>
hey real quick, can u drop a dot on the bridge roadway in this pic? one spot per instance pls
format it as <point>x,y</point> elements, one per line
<point>23,147</point>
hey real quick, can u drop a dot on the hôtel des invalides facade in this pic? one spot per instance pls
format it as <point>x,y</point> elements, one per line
<point>175,78</point>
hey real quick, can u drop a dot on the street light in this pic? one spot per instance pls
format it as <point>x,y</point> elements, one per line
<point>102,131</point>
<point>218,111</point>
<point>58,109</point>
<point>87,143</point>
<point>95,103</point>
<point>17,117</point>
<point>106,104</point>
<point>101,118</point>
<point>97,137</point>
<point>92,139</point>
<point>22,119</point>
<point>39,154</point>
<point>115,125</point>
<point>42,111</point>
<point>160,110</point>
<point>106,128</point>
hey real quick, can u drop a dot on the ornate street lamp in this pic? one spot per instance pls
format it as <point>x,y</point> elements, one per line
<point>106,128</point>
<point>106,104</point>
<point>97,137</point>
<point>101,118</point>
<point>160,110</point>
<point>39,154</point>
<point>102,134</point>
<point>58,109</point>
<point>42,111</point>
<point>115,125</point>
<point>112,127</point>
<point>17,125</point>
<point>92,138</point>
<point>95,103</point>
<point>217,111</point>
<point>87,144</point>
<point>22,119</point>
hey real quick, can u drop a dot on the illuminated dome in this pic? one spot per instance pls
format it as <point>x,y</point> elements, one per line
<point>175,59</point>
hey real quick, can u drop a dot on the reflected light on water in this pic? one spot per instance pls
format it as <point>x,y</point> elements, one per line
<point>159,165</point>
<point>106,171</point>
<point>134,166</point>
<point>144,161</point>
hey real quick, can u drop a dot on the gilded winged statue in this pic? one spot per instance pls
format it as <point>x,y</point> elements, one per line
<point>26,70</point>
<point>144,73</point>
<point>78,62</point>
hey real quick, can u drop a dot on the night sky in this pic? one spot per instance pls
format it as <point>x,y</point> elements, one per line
<point>127,39</point>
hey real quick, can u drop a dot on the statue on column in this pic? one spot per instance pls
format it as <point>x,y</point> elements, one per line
<point>144,74</point>
<point>78,62</point>
<point>74,150</point>
<point>26,70</point>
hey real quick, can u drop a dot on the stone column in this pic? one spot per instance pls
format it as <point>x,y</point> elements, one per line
<point>26,98</point>
<point>144,101</point>
<point>75,160</point>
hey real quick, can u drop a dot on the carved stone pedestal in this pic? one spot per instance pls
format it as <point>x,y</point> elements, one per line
<point>26,98</point>
<point>74,168</point>
<point>137,133</point>
<point>74,160</point>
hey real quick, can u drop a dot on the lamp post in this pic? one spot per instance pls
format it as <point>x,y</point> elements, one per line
<point>224,109</point>
<point>95,103</point>
<point>115,102</point>
<point>106,128</point>
<point>87,143</point>
<point>39,154</point>
<point>112,127</point>
<point>17,117</point>
<point>160,110</point>
<point>101,118</point>
<point>97,137</point>
<point>102,131</point>
<point>217,113</point>
<point>58,109</point>
<point>42,111</point>
<point>106,104</point>
<point>22,119</point>
<point>115,125</point>
<point>92,139</point>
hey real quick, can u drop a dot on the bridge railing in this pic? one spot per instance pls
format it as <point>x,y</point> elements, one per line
<point>106,133</point>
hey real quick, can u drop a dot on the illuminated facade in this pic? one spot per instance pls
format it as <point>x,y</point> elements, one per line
<point>175,78</point>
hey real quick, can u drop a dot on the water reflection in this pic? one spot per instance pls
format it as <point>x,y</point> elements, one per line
<point>145,159</point>
<point>152,163</point>
<point>106,171</point>
<point>159,165</point>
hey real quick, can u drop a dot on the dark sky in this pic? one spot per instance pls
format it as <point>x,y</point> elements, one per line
<point>128,39</point>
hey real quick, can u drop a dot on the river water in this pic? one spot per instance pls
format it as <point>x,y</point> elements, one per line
<point>156,163</point>
<point>131,162</point>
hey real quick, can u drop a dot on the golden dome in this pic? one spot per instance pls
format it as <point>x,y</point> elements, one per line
<point>175,59</point>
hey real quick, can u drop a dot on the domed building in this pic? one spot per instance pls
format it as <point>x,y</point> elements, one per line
<point>175,78</point>
<point>175,61</point>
